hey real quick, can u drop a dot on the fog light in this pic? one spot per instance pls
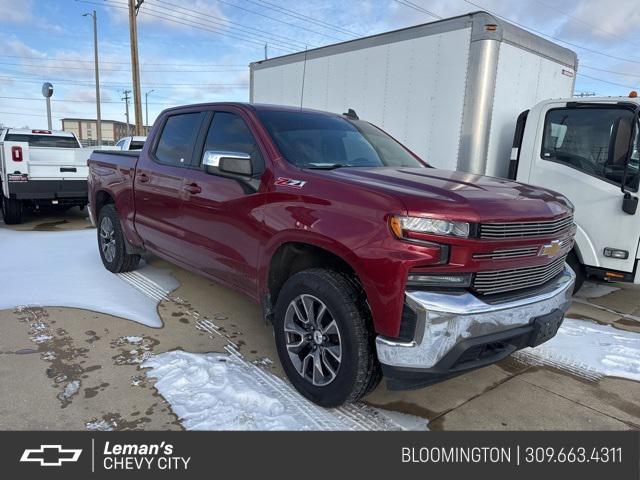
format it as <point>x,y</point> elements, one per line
<point>615,253</point>
<point>422,280</point>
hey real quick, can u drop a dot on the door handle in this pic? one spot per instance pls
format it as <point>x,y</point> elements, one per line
<point>193,188</point>
<point>143,178</point>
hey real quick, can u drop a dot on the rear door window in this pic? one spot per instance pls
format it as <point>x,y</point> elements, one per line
<point>176,142</point>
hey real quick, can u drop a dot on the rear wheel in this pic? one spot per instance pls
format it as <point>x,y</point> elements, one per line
<point>323,337</point>
<point>111,242</point>
<point>578,268</point>
<point>11,211</point>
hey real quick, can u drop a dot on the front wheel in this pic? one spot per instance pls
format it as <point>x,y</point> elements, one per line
<point>112,244</point>
<point>323,338</point>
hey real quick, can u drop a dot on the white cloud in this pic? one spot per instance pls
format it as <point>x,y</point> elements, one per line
<point>12,11</point>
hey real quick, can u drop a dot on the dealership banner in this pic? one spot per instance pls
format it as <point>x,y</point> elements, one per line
<point>313,455</point>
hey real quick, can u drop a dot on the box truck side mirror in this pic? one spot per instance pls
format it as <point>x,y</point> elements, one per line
<point>629,204</point>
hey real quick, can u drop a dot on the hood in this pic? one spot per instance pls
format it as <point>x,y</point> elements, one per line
<point>458,195</point>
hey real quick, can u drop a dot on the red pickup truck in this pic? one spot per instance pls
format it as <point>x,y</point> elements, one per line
<point>366,261</point>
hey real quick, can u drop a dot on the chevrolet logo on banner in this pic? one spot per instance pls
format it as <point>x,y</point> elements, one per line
<point>551,249</point>
<point>50,455</point>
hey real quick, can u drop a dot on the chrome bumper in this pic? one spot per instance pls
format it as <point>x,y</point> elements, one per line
<point>444,320</point>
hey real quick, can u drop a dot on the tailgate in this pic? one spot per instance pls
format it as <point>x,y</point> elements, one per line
<point>58,163</point>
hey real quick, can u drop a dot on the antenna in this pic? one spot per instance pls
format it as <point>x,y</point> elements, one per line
<point>304,72</point>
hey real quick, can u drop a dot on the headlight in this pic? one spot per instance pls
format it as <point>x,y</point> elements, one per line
<point>400,225</point>
<point>417,280</point>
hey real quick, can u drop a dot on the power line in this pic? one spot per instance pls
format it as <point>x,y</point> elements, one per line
<point>228,22</point>
<point>582,47</point>
<point>66,100</point>
<point>415,6</point>
<point>610,71</point>
<point>579,20</point>
<point>609,82</point>
<point>184,21</point>
<point>278,20</point>
<point>124,63</point>
<point>301,16</point>
<point>65,67</point>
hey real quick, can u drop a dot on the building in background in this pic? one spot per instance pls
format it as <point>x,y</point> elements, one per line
<point>85,130</point>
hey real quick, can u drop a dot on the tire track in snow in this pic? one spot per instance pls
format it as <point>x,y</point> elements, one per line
<point>349,417</point>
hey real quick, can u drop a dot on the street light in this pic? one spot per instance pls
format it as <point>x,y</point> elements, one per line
<point>146,106</point>
<point>95,54</point>
<point>47,91</point>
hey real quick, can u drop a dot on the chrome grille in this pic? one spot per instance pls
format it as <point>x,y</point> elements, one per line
<point>500,281</point>
<point>531,251</point>
<point>525,229</point>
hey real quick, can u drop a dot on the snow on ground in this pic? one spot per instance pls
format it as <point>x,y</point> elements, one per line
<point>595,290</point>
<point>591,350</point>
<point>217,391</point>
<point>64,269</point>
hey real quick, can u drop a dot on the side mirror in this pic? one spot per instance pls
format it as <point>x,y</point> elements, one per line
<point>236,163</point>
<point>629,204</point>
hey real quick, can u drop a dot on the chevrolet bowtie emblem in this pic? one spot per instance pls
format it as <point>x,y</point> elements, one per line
<point>551,249</point>
<point>50,455</point>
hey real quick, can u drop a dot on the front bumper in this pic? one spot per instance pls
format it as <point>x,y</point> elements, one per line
<point>456,333</point>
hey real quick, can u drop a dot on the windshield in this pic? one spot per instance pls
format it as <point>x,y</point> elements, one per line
<point>43,140</point>
<point>316,140</point>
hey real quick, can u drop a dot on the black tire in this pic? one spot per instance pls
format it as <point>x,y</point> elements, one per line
<point>118,260</point>
<point>578,268</point>
<point>11,211</point>
<point>358,372</point>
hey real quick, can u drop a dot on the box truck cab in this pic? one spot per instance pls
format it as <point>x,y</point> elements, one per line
<point>588,150</point>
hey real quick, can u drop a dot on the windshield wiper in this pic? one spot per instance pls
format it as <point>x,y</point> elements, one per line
<point>327,166</point>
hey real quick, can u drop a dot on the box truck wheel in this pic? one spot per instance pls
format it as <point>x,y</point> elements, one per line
<point>323,337</point>
<point>576,266</point>
<point>11,211</point>
<point>111,242</point>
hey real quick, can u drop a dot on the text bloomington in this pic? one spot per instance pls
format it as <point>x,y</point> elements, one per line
<point>456,455</point>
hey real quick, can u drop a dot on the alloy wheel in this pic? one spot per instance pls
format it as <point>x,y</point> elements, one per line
<point>313,340</point>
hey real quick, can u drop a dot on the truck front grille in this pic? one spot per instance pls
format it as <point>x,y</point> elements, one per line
<point>525,229</point>
<point>511,253</point>
<point>501,281</point>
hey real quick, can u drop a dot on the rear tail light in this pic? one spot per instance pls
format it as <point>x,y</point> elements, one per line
<point>45,132</point>
<point>16,154</point>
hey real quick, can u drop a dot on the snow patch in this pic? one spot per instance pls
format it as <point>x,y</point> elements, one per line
<point>216,391</point>
<point>590,349</point>
<point>99,426</point>
<point>64,269</point>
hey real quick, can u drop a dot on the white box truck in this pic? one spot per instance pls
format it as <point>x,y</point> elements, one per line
<point>450,90</point>
<point>477,94</point>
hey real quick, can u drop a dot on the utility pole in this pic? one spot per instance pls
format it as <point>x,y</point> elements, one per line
<point>95,54</point>
<point>126,103</point>
<point>265,51</point>
<point>134,5</point>
<point>146,106</point>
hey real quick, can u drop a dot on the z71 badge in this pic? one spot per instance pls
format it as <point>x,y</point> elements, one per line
<point>18,178</point>
<point>289,182</point>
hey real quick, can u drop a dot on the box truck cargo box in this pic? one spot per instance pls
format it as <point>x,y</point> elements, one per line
<point>450,90</point>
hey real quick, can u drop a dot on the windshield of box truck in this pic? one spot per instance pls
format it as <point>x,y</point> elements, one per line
<point>317,140</point>
<point>43,140</point>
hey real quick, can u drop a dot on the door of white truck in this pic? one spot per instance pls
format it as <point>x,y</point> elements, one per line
<point>14,164</point>
<point>582,150</point>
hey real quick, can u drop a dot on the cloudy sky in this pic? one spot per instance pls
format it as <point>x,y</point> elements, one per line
<point>198,50</point>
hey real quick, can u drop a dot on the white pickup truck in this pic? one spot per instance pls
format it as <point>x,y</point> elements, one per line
<point>131,143</point>
<point>41,168</point>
